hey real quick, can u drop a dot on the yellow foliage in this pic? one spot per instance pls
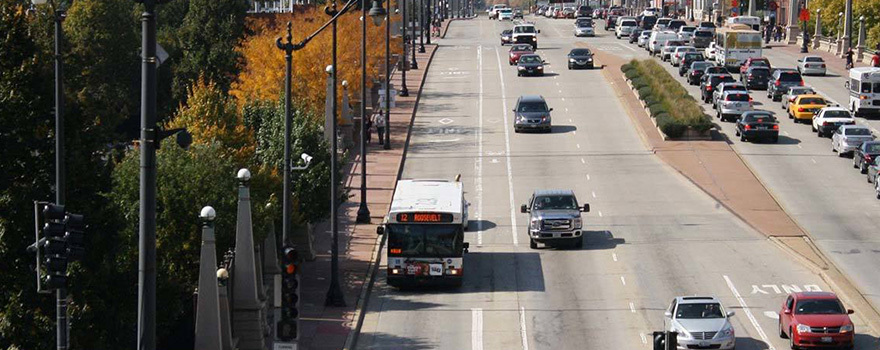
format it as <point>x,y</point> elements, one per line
<point>263,74</point>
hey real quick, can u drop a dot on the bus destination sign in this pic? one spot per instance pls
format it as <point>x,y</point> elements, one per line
<point>424,217</point>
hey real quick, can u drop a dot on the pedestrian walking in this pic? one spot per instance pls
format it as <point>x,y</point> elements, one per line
<point>875,60</point>
<point>368,130</point>
<point>379,121</point>
<point>849,58</point>
<point>778,33</point>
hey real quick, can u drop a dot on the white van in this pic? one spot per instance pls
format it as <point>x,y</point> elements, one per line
<point>658,39</point>
<point>864,91</point>
<point>625,28</point>
<point>751,21</point>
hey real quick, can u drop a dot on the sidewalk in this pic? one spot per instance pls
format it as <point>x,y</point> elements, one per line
<point>834,64</point>
<point>330,327</point>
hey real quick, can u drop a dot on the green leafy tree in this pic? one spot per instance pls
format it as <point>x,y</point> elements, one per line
<point>208,37</point>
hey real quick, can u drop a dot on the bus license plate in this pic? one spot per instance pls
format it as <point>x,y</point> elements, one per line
<point>436,270</point>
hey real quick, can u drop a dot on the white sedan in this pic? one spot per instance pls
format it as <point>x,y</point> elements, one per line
<point>811,65</point>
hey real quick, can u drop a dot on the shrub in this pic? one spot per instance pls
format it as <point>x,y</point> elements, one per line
<point>668,102</point>
<point>672,127</point>
<point>638,83</point>
<point>632,73</point>
<point>645,91</point>
<point>657,108</point>
<point>626,67</point>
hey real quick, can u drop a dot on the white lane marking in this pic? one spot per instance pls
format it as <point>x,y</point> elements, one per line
<point>557,84</point>
<point>644,339</point>
<point>578,145</point>
<point>560,91</point>
<point>584,162</point>
<point>569,120</point>
<point>799,146</point>
<point>563,97</point>
<point>632,307</point>
<point>814,161</point>
<point>446,140</point>
<point>479,161</point>
<point>627,46</point>
<point>574,132</point>
<point>507,155</point>
<point>600,213</point>
<point>785,133</point>
<point>748,312</point>
<point>477,329</point>
<point>771,315</point>
<point>567,111</point>
<point>522,328</point>
<point>623,280</point>
<point>614,256</point>
<point>594,194</point>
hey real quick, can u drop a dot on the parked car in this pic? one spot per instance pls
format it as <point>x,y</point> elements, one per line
<point>530,64</point>
<point>849,137</point>
<point>754,62</point>
<point>756,78</point>
<point>702,39</point>
<point>793,92</point>
<point>725,87</point>
<point>555,217</point>
<point>580,58</point>
<point>703,321</point>
<point>531,113</point>
<point>710,81</point>
<point>732,104</point>
<point>688,59</point>
<point>804,106</point>
<point>756,125</point>
<point>568,12</point>
<point>816,319</point>
<point>696,71</point>
<point>781,79</point>
<point>679,52</point>
<point>811,65</point>
<point>828,119</point>
<point>506,36</point>
<point>864,155</point>
<point>516,51</point>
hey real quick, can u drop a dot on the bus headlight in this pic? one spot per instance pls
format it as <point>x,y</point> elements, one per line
<point>395,271</point>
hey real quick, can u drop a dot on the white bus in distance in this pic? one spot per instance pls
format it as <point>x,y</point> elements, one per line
<point>753,22</point>
<point>425,233</point>
<point>864,91</point>
<point>735,44</point>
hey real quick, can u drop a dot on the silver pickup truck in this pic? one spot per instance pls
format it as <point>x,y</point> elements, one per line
<point>555,217</point>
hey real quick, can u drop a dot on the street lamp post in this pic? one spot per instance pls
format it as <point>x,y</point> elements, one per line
<point>402,63</point>
<point>335,297</point>
<point>387,143</point>
<point>412,37</point>
<point>421,26</point>
<point>806,41</point>
<point>429,14</point>
<point>288,48</point>
<point>847,25</point>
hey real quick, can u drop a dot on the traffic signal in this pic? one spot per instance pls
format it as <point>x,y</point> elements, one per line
<point>75,237</point>
<point>288,326</point>
<point>54,247</point>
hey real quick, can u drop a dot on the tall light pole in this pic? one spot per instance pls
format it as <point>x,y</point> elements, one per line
<point>335,297</point>
<point>847,26</point>
<point>429,19</point>
<point>421,26</point>
<point>412,38</point>
<point>402,63</point>
<point>288,47</point>
<point>387,143</point>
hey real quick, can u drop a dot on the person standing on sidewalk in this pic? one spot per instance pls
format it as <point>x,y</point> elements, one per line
<point>875,60</point>
<point>849,58</point>
<point>379,121</point>
<point>368,131</point>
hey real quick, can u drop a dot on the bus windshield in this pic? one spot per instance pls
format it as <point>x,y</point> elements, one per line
<point>424,240</point>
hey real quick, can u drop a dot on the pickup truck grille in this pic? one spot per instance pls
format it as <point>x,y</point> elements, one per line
<point>557,224</point>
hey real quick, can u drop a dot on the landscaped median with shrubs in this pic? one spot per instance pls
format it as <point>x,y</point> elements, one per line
<point>676,113</point>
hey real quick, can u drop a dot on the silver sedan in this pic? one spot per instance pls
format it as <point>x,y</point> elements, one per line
<point>849,137</point>
<point>811,65</point>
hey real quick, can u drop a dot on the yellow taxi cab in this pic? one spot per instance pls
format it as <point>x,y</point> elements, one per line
<point>804,106</point>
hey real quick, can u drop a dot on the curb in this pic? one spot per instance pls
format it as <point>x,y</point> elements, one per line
<point>446,28</point>
<point>363,300</point>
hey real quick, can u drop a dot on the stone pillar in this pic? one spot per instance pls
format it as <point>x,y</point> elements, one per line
<point>248,318</point>
<point>208,334</point>
<point>839,41</point>
<point>225,319</point>
<point>847,26</point>
<point>860,51</point>
<point>818,36</point>
<point>751,7</point>
<point>793,29</point>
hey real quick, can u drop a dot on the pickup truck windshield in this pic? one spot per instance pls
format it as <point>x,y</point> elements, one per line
<point>524,29</point>
<point>555,202</point>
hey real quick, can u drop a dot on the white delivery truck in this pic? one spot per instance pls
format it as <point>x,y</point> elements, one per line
<point>864,91</point>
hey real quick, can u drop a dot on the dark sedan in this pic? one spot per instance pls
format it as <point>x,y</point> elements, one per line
<point>634,36</point>
<point>755,125</point>
<point>710,82</point>
<point>873,170</point>
<point>864,155</point>
<point>696,71</point>
<point>506,37</point>
<point>580,58</point>
<point>687,60</point>
<point>755,78</point>
<point>530,64</point>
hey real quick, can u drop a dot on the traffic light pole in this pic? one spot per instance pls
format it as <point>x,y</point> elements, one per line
<point>61,331</point>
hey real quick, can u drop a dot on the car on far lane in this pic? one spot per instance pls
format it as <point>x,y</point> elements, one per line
<point>710,81</point>
<point>815,319</point>
<point>849,137</point>
<point>756,77</point>
<point>580,58</point>
<point>634,36</point>
<point>506,36</point>
<point>686,33</point>
<point>505,14</point>
<point>643,38</point>
<point>516,51</point>
<point>517,13</point>
<point>781,79</point>
<point>709,26</point>
<point>725,87</point>
<point>696,71</point>
<point>804,107</point>
<point>530,64</point>
<point>584,27</point>
<point>555,217</point>
<point>679,52</point>
<point>811,65</point>
<point>710,51</point>
<point>754,62</point>
<point>865,155</point>
<point>732,104</point>
<point>756,125</point>
<point>792,92</point>
<point>688,59</point>
<point>668,48</point>
<point>873,173</point>
<point>625,28</point>
<point>531,113</point>
<point>828,119</point>
<point>702,38</point>
<point>701,323</point>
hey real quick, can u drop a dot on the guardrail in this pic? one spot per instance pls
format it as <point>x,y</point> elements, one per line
<point>835,45</point>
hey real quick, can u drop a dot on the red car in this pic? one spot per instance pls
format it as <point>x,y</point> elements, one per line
<point>814,320</point>
<point>754,62</point>
<point>518,50</point>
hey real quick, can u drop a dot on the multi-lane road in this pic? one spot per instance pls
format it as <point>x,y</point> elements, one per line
<point>652,234</point>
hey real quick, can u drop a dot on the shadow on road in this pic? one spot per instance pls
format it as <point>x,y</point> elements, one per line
<point>750,344</point>
<point>480,225</point>
<point>381,340</point>
<point>562,129</point>
<point>595,240</point>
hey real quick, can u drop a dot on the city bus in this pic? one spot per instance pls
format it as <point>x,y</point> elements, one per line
<point>425,233</point>
<point>735,44</point>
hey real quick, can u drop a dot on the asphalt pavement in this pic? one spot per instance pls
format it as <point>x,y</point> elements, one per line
<point>652,234</point>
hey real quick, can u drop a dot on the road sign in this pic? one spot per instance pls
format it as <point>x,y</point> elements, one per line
<point>805,15</point>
